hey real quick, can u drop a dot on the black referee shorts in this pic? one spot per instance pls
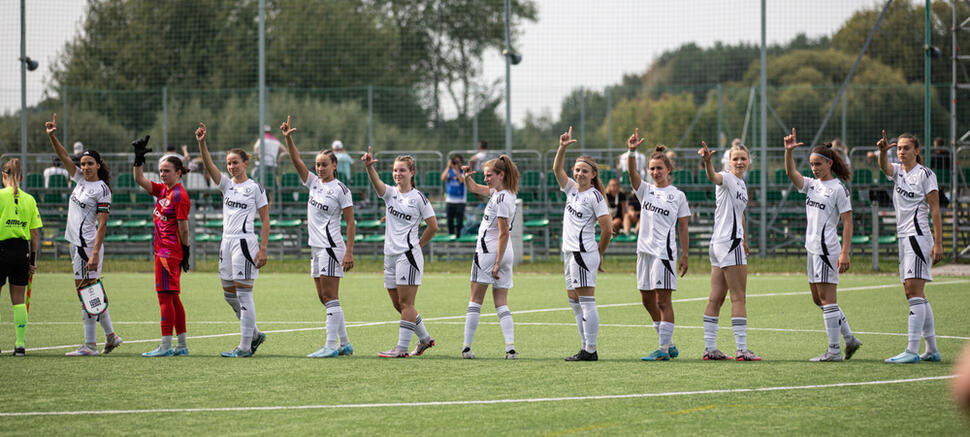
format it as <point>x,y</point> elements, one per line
<point>14,261</point>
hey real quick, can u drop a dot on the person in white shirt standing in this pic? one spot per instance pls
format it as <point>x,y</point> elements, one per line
<point>827,201</point>
<point>407,207</point>
<point>330,257</point>
<point>87,218</point>
<point>492,264</point>
<point>266,156</point>
<point>663,221</point>
<point>238,265</point>
<point>916,195</point>
<point>585,208</point>
<point>728,252</point>
<point>54,169</point>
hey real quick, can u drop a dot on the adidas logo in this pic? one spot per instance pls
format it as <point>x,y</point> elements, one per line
<point>658,282</point>
<point>240,273</point>
<point>909,271</point>
<point>404,278</point>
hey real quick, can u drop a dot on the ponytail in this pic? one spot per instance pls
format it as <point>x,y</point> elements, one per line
<point>13,169</point>
<point>505,165</point>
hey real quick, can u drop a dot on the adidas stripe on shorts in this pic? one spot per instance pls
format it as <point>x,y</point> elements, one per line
<point>722,255</point>
<point>654,273</point>
<point>404,269</point>
<point>580,269</point>
<point>914,257</point>
<point>327,261</point>
<point>236,258</point>
<point>482,266</point>
<point>822,269</point>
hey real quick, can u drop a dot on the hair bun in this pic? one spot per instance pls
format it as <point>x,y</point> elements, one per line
<point>829,145</point>
<point>660,148</point>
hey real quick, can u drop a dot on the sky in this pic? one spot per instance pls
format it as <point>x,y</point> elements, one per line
<point>574,42</point>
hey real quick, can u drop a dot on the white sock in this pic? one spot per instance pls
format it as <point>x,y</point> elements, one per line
<point>105,320</point>
<point>181,340</point>
<point>404,334</point>
<point>740,325</point>
<point>166,342</point>
<point>508,328</point>
<point>90,328</point>
<point>333,324</point>
<point>341,326</point>
<point>844,326</point>
<point>472,315</point>
<point>831,315</point>
<point>666,335</point>
<point>656,327</point>
<point>247,317</point>
<point>929,330</point>
<point>710,332</point>
<point>917,318</point>
<point>420,329</point>
<point>578,312</point>
<point>232,300</point>
<point>591,321</point>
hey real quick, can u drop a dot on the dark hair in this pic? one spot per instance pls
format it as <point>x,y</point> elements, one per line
<point>659,153</point>
<point>170,148</point>
<point>104,173</point>
<point>56,162</point>
<point>459,158</point>
<point>595,182</point>
<point>333,159</point>
<point>911,137</point>
<point>409,161</point>
<point>177,163</point>
<point>483,144</point>
<point>505,165</point>
<point>839,167</point>
<point>242,154</point>
<point>13,169</point>
<point>939,142</point>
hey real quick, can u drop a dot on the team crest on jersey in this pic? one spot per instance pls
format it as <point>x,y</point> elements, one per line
<point>164,202</point>
<point>670,197</point>
<point>247,191</point>
<point>913,180</point>
<point>411,202</point>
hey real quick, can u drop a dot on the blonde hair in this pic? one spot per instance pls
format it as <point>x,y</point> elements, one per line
<point>505,165</point>
<point>595,182</point>
<point>13,169</point>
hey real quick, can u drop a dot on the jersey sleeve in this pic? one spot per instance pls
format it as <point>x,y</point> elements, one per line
<point>34,222</point>
<point>389,191</point>
<point>505,206</point>
<point>600,208</point>
<point>310,179</point>
<point>683,210</point>
<point>427,211</point>
<point>843,202</point>
<point>642,191</point>
<point>183,205</point>
<point>346,198</point>
<point>895,167</point>
<point>809,182</point>
<point>78,177</point>
<point>261,196</point>
<point>930,184</point>
<point>570,186</point>
<point>104,200</point>
<point>224,184</point>
<point>156,188</point>
<point>726,177</point>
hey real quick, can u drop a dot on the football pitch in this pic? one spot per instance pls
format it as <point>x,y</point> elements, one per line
<point>279,391</point>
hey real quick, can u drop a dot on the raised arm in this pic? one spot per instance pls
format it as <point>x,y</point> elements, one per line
<point>712,175</point>
<point>790,145</point>
<point>557,165</point>
<point>291,148</point>
<point>375,180</point>
<point>141,148</point>
<point>473,187</point>
<point>51,127</point>
<point>631,159</point>
<point>884,146</point>
<point>210,167</point>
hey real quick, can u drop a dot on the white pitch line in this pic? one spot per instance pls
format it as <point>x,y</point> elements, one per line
<point>540,310</point>
<point>471,402</point>
<point>723,328</point>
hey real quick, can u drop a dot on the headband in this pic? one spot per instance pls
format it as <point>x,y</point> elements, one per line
<point>822,156</point>
<point>589,164</point>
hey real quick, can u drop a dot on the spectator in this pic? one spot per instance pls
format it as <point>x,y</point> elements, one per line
<point>483,155</point>
<point>55,168</point>
<point>873,157</point>
<point>344,161</point>
<point>170,150</point>
<point>940,158</point>
<point>78,148</point>
<point>616,203</point>
<point>641,165</point>
<point>843,151</point>
<point>454,195</point>
<point>267,159</point>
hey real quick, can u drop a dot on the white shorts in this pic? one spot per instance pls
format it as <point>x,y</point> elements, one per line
<point>236,258</point>
<point>404,269</point>
<point>654,273</point>
<point>723,255</point>
<point>327,261</point>
<point>914,261</point>
<point>80,256</point>
<point>822,269</point>
<point>580,268</point>
<point>482,266</point>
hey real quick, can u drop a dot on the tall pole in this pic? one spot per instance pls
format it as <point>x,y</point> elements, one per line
<point>609,117</point>
<point>953,125</point>
<point>23,83</point>
<point>508,77</point>
<point>262,91</point>
<point>763,228</point>
<point>927,83</point>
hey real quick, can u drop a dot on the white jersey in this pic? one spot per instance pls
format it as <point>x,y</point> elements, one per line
<point>239,206</point>
<point>825,202</point>
<point>87,200</point>
<point>500,204</point>
<point>909,199</point>
<point>405,212</point>
<point>730,198</point>
<point>579,218</point>
<point>324,210</point>
<point>659,210</point>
